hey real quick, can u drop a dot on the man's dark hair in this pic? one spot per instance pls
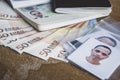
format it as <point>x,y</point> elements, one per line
<point>33,11</point>
<point>104,47</point>
<point>109,39</point>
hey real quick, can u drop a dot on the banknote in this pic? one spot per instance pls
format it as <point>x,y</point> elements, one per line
<point>12,25</point>
<point>26,42</point>
<point>90,27</point>
<point>6,12</point>
<point>59,52</point>
<point>44,47</point>
<point>12,36</point>
<point>11,40</point>
<point>5,35</point>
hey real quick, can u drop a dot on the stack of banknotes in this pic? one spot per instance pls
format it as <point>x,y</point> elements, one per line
<point>22,37</point>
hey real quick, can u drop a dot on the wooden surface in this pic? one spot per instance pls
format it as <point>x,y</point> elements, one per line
<point>26,67</point>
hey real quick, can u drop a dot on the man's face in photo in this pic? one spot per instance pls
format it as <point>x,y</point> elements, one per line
<point>100,53</point>
<point>37,14</point>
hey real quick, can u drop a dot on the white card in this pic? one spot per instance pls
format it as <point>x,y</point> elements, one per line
<point>87,59</point>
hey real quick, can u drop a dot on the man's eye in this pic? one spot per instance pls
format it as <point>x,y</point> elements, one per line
<point>97,50</point>
<point>104,54</point>
<point>34,14</point>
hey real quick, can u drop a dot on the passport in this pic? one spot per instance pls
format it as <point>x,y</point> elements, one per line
<point>56,4</point>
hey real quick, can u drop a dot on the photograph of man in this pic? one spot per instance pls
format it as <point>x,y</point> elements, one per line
<point>98,53</point>
<point>36,14</point>
<point>96,57</point>
<point>108,40</point>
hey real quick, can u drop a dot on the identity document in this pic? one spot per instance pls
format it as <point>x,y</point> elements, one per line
<point>96,57</point>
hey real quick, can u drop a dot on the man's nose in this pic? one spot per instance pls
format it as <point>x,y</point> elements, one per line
<point>99,54</point>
